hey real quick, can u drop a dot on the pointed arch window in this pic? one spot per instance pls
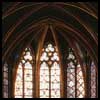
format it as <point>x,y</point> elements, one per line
<point>24,76</point>
<point>75,81</point>
<point>49,73</point>
<point>5,80</point>
<point>93,80</point>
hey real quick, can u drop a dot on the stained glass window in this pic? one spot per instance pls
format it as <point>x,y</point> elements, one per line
<point>71,81</point>
<point>24,77</point>
<point>75,81</point>
<point>80,83</point>
<point>49,73</point>
<point>5,81</point>
<point>55,80</point>
<point>93,80</point>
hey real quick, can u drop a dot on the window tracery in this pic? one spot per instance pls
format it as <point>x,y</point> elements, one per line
<point>75,81</point>
<point>24,77</point>
<point>49,73</point>
<point>5,80</point>
<point>93,80</point>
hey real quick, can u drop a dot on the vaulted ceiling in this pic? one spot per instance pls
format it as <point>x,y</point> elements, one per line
<point>75,23</point>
